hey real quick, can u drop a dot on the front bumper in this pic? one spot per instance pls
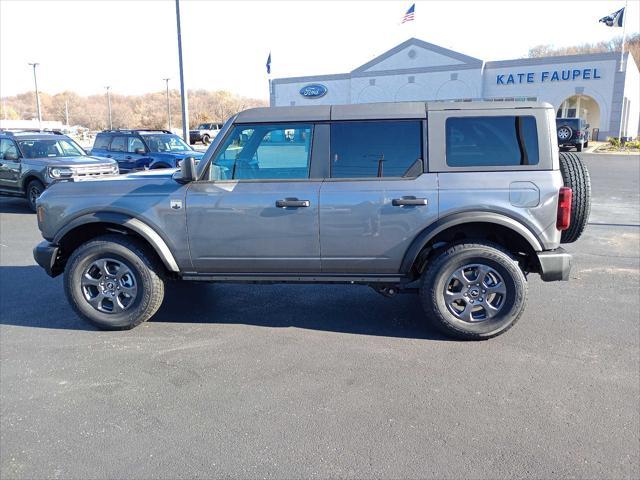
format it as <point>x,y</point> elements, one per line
<point>554,265</point>
<point>46,255</point>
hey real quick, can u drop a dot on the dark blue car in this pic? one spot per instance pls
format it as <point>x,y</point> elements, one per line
<point>143,149</point>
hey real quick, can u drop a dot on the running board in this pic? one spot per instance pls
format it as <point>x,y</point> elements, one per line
<point>298,278</point>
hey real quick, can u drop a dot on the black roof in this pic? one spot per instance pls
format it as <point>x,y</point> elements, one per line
<point>135,130</point>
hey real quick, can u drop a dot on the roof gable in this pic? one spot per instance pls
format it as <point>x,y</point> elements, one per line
<point>415,53</point>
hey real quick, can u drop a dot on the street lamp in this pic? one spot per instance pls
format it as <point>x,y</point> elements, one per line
<point>168,103</point>
<point>109,103</point>
<point>35,81</point>
<point>185,106</point>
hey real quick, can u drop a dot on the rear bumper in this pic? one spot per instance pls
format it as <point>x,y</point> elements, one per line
<point>555,265</point>
<point>46,255</point>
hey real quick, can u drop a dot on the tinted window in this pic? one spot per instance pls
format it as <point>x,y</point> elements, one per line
<point>134,144</point>
<point>264,152</point>
<point>8,147</point>
<point>491,141</point>
<point>119,144</point>
<point>102,142</point>
<point>375,149</point>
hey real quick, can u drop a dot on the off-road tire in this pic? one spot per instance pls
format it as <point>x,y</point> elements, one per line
<point>437,275</point>
<point>569,133</point>
<point>576,176</point>
<point>145,266</point>
<point>206,140</point>
<point>33,187</point>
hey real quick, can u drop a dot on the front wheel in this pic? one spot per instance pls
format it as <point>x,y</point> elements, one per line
<point>114,282</point>
<point>34,190</point>
<point>473,291</point>
<point>206,140</point>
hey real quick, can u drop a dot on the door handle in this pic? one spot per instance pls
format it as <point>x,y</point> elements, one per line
<point>292,203</point>
<point>108,156</point>
<point>409,201</point>
<point>128,157</point>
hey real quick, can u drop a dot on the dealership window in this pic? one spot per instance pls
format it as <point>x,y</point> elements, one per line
<point>491,141</point>
<point>264,151</point>
<point>376,149</point>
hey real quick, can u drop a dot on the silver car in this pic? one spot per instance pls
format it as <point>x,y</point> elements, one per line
<point>456,202</point>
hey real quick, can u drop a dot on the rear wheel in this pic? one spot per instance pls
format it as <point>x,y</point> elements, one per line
<point>206,140</point>
<point>473,291</point>
<point>579,147</point>
<point>576,176</point>
<point>34,190</point>
<point>114,282</point>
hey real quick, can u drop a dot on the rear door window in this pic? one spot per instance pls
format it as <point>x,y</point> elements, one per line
<point>102,142</point>
<point>376,149</point>
<point>119,144</point>
<point>491,141</point>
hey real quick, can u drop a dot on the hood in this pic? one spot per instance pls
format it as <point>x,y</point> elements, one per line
<point>71,161</point>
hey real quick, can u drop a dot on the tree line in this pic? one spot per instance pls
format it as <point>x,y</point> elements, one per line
<point>631,45</point>
<point>127,111</point>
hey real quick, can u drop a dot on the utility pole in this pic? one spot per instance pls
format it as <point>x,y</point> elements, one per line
<point>109,103</point>
<point>35,81</point>
<point>66,112</point>
<point>168,103</point>
<point>185,106</point>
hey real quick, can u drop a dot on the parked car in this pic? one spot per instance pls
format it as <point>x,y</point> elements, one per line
<point>573,132</point>
<point>142,149</point>
<point>335,194</point>
<point>204,133</point>
<point>30,161</point>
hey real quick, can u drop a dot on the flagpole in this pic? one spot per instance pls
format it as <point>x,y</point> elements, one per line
<point>624,29</point>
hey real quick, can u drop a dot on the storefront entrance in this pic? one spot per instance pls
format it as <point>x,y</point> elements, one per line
<point>581,106</point>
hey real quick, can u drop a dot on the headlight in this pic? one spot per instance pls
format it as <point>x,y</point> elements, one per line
<point>179,163</point>
<point>115,169</point>
<point>60,172</point>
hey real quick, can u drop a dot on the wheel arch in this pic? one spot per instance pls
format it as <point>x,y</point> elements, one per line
<point>489,225</point>
<point>29,176</point>
<point>88,226</point>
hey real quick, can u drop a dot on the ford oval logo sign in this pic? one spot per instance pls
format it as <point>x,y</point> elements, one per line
<point>313,91</point>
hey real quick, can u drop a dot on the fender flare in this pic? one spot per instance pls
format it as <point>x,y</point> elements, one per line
<point>138,226</point>
<point>442,224</point>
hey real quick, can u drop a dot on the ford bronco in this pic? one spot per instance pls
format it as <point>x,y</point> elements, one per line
<point>456,202</point>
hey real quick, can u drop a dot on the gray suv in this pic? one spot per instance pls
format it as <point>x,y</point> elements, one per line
<point>456,202</point>
<point>30,161</point>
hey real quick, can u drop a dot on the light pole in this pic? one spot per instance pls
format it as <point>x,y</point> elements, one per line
<point>35,81</point>
<point>109,103</point>
<point>185,106</point>
<point>168,103</point>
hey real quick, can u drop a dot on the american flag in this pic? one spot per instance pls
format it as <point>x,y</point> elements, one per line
<point>410,15</point>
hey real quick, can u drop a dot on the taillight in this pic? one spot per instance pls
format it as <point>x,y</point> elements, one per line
<point>579,133</point>
<point>564,208</point>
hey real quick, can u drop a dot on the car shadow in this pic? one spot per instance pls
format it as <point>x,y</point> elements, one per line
<point>14,205</point>
<point>29,298</point>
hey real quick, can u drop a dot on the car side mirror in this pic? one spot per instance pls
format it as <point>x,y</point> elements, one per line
<point>187,170</point>
<point>11,156</point>
<point>140,151</point>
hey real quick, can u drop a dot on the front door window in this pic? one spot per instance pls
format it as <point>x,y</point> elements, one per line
<point>264,152</point>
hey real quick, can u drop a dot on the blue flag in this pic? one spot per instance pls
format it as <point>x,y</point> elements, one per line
<point>269,64</point>
<point>616,19</point>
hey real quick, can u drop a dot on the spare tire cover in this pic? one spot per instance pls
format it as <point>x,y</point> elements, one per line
<point>576,176</point>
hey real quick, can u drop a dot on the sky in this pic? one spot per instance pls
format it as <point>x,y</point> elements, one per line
<point>131,45</point>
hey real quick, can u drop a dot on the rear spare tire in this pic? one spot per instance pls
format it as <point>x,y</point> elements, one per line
<point>576,176</point>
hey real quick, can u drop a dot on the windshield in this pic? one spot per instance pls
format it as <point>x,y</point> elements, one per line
<point>166,143</point>
<point>203,126</point>
<point>59,147</point>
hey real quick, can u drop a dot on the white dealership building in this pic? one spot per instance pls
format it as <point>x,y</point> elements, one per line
<point>591,86</point>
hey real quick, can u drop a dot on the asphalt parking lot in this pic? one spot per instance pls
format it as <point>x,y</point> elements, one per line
<point>329,381</point>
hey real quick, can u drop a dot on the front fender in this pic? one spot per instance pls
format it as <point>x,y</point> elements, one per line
<point>138,226</point>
